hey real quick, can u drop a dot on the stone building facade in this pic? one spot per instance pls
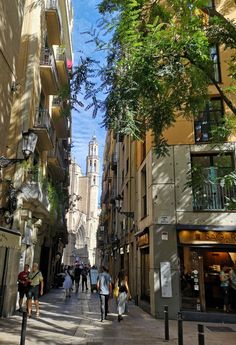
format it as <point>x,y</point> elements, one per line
<point>83,212</point>
<point>35,58</point>
<point>170,236</point>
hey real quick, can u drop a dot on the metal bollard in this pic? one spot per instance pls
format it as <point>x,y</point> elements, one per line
<point>166,318</point>
<point>23,328</point>
<point>201,337</point>
<point>180,329</point>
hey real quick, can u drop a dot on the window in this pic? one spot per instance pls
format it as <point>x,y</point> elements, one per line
<point>94,180</point>
<point>95,166</point>
<point>207,119</point>
<point>127,166</point>
<point>221,164</point>
<point>143,149</point>
<point>207,173</point>
<point>143,193</point>
<point>145,272</point>
<point>214,54</point>
<point>127,196</point>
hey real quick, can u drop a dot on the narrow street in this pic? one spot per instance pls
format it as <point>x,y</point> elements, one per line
<point>77,321</point>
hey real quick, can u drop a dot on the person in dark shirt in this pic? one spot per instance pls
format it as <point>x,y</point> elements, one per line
<point>84,274</point>
<point>77,274</point>
<point>23,284</point>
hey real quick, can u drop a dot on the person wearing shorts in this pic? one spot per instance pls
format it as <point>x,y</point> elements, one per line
<point>23,285</point>
<point>35,289</point>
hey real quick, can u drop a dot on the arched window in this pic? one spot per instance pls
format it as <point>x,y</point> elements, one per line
<point>95,166</point>
<point>94,179</point>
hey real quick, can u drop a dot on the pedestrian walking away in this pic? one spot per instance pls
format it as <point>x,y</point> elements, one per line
<point>36,285</point>
<point>124,294</point>
<point>104,287</point>
<point>23,286</point>
<point>84,274</point>
<point>77,275</point>
<point>67,285</point>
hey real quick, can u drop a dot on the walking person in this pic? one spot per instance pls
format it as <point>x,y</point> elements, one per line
<point>23,286</point>
<point>77,275</point>
<point>67,284</point>
<point>84,274</point>
<point>36,285</point>
<point>232,279</point>
<point>224,284</point>
<point>124,294</point>
<point>104,288</point>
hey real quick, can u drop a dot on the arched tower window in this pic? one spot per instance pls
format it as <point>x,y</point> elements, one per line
<point>95,166</point>
<point>94,179</point>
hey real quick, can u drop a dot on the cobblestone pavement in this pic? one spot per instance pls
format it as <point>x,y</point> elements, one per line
<point>77,321</point>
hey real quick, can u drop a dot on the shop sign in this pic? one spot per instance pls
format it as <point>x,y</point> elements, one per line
<point>127,248</point>
<point>164,236</point>
<point>166,284</point>
<point>164,220</point>
<point>207,237</point>
<point>143,240</point>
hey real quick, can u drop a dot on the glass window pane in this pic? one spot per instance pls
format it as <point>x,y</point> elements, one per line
<point>203,161</point>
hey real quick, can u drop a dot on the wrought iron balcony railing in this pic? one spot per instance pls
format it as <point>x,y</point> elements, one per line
<point>43,121</point>
<point>213,196</point>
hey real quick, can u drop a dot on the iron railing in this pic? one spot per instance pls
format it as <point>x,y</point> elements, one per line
<point>48,59</point>
<point>42,120</point>
<point>213,196</point>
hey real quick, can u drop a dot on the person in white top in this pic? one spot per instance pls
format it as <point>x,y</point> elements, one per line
<point>104,288</point>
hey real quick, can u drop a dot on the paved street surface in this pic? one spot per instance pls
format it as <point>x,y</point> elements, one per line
<point>77,321</point>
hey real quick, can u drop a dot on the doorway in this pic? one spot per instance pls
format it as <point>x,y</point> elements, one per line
<point>145,268</point>
<point>200,276</point>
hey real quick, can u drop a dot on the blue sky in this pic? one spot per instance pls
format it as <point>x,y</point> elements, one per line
<point>83,125</point>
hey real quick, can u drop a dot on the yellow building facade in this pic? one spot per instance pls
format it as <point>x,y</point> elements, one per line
<point>179,235</point>
<point>36,61</point>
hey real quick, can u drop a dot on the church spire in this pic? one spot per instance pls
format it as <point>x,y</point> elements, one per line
<point>93,159</point>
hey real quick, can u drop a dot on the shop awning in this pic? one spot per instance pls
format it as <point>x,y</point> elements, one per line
<point>10,238</point>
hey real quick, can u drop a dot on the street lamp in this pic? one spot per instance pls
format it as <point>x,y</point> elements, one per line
<point>119,204</point>
<point>28,147</point>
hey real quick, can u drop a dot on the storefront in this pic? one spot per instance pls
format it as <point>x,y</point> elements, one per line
<point>203,251</point>
<point>143,246</point>
<point>9,261</point>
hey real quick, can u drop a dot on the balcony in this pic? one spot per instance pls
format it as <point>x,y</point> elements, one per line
<point>48,72</point>
<point>34,192</point>
<point>44,129</point>
<point>60,120</point>
<point>62,65</point>
<point>57,160</point>
<point>53,22</point>
<point>113,195</point>
<point>211,196</point>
